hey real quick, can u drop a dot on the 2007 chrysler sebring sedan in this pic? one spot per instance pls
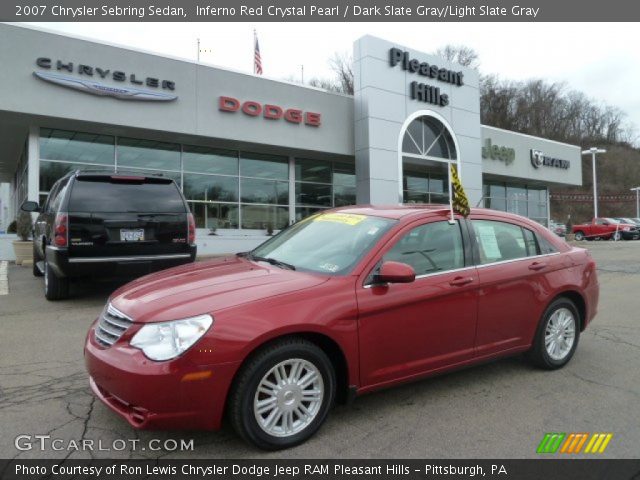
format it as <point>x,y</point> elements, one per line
<point>341,303</point>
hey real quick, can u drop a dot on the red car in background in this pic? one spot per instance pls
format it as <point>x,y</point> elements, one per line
<point>342,303</point>
<point>605,229</point>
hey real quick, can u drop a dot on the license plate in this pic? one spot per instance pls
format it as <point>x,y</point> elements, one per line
<point>128,235</point>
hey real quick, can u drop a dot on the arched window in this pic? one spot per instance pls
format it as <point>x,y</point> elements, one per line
<point>428,138</point>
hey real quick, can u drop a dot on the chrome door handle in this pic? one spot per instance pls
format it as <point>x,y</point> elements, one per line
<point>537,266</point>
<point>460,281</point>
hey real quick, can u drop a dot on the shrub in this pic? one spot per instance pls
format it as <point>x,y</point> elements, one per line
<point>12,227</point>
<point>24,226</point>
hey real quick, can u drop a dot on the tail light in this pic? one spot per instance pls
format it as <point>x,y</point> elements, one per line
<point>192,229</point>
<point>61,230</point>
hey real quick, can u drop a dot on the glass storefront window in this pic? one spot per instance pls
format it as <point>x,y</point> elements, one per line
<point>343,196</point>
<point>208,160</point>
<point>148,154</point>
<point>76,147</point>
<point>50,172</point>
<point>344,174</point>
<point>527,201</point>
<point>416,182</point>
<point>259,217</point>
<point>317,171</point>
<point>424,187</point>
<point>313,194</point>
<point>222,215</point>
<point>225,189</point>
<point>254,190</point>
<point>415,197</point>
<point>197,209</point>
<point>210,187</point>
<point>264,166</point>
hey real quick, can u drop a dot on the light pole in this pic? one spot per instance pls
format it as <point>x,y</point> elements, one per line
<point>637,190</point>
<point>593,151</point>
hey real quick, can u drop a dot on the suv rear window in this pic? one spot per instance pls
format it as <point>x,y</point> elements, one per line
<point>106,194</point>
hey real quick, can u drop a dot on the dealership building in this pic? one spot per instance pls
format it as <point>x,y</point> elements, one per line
<point>251,153</point>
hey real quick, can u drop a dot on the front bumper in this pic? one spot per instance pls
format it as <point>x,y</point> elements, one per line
<point>157,395</point>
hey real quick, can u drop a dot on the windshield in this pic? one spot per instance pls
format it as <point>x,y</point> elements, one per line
<point>330,243</point>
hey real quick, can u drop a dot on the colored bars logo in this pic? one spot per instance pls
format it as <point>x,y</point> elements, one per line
<point>573,443</point>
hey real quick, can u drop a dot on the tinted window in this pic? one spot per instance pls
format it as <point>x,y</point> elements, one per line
<point>499,241</point>
<point>530,241</point>
<point>54,202</point>
<point>109,196</point>
<point>546,247</point>
<point>430,248</point>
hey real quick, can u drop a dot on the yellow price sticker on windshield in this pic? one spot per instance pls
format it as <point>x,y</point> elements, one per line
<point>346,218</point>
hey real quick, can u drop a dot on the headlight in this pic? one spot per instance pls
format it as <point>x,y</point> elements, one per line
<point>167,340</point>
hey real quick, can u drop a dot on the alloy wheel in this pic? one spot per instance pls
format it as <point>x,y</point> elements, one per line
<point>288,397</point>
<point>560,334</point>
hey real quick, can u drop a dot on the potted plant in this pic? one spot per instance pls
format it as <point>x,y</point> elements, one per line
<point>23,247</point>
<point>270,229</point>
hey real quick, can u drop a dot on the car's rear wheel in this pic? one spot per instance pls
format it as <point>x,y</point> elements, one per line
<point>55,288</point>
<point>283,394</point>
<point>36,259</point>
<point>557,335</point>
<point>579,236</point>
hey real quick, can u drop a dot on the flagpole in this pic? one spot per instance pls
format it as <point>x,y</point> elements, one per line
<point>255,36</point>
<point>198,54</point>
<point>452,220</point>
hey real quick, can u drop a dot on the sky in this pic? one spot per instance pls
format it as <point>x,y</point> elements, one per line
<point>599,59</point>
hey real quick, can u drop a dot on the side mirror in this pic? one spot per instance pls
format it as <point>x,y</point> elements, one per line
<point>395,272</point>
<point>30,206</point>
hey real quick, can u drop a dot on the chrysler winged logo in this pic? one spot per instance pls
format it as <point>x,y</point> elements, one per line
<point>101,89</point>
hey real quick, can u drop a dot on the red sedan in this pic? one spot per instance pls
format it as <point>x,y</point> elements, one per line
<point>342,303</point>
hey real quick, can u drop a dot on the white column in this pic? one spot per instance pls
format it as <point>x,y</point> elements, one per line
<point>292,190</point>
<point>33,162</point>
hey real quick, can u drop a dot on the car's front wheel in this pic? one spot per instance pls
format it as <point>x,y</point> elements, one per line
<point>579,236</point>
<point>557,336</point>
<point>283,394</point>
<point>55,288</point>
<point>617,236</point>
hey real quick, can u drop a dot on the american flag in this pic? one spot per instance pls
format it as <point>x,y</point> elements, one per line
<point>257,60</point>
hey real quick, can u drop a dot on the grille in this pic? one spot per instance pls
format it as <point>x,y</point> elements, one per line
<point>111,326</point>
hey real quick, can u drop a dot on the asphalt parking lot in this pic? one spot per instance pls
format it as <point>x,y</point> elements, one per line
<point>498,410</point>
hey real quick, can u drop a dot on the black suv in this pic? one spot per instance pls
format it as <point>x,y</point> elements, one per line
<point>109,224</point>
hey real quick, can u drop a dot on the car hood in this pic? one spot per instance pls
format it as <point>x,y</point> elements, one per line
<point>206,287</point>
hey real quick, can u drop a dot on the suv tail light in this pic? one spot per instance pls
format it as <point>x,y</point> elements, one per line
<point>192,229</point>
<point>61,230</point>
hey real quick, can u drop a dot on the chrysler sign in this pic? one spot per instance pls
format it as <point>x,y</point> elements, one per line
<point>88,81</point>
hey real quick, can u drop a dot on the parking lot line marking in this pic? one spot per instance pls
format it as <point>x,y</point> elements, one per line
<point>4,277</point>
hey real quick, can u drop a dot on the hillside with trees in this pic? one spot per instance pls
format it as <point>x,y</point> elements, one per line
<point>555,111</point>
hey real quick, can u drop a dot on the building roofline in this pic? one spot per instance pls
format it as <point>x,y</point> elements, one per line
<point>530,136</point>
<point>170,57</point>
